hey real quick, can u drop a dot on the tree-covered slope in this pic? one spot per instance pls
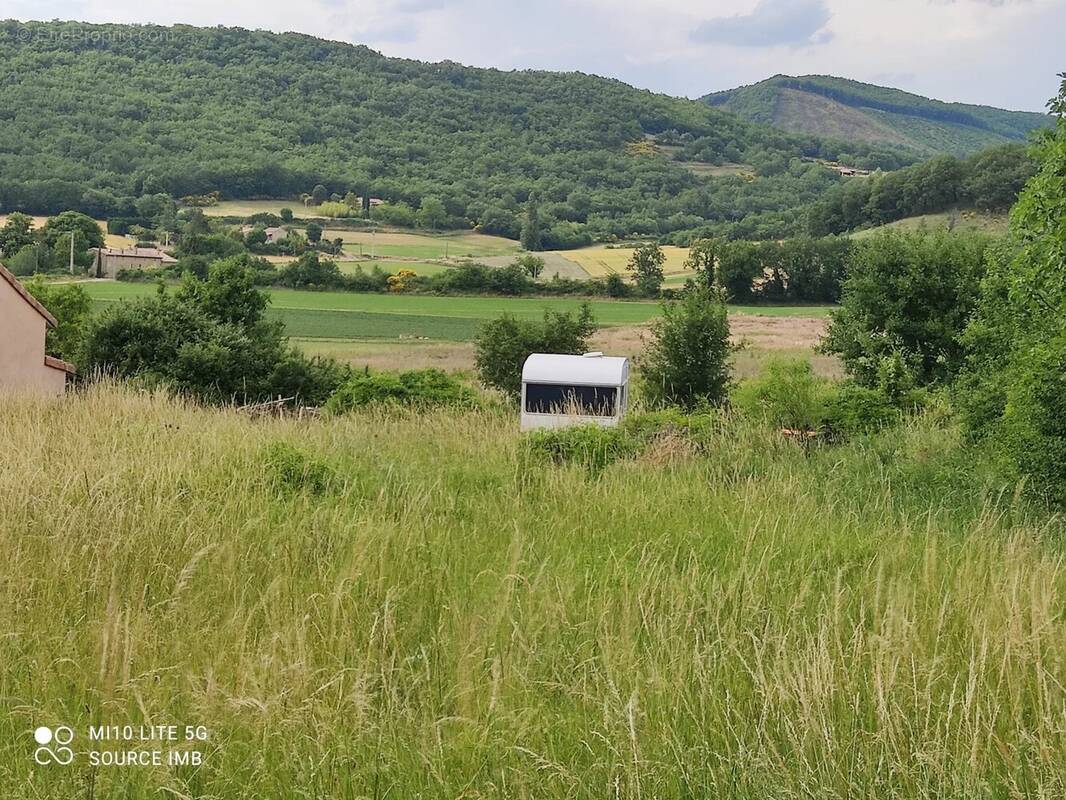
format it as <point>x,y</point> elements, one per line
<point>94,115</point>
<point>840,108</point>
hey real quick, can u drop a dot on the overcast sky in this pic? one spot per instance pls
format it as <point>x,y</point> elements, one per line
<point>997,52</point>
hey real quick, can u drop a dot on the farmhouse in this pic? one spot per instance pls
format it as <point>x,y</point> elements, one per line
<point>273,235</point>
<point>110,261</point>
<point>561,390</point>
<point>24,367</point>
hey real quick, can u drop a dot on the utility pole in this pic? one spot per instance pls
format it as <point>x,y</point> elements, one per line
<point>72,234</point>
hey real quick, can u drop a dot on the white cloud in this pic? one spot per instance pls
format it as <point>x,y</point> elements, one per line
<point>771,22</point>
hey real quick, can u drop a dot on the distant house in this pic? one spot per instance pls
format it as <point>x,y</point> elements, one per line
<point>110,261</point>
<point>24,322</point>
<point>273,235</point>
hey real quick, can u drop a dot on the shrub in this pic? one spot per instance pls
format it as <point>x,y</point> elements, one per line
<point>503,344</point>
<point>1012,388</point>
<point>291,470</point>
<point>335,210</point>
<point>615,286</point>
<point>592,446</point>
<point>32,259</point>
<point>696,427</point>
<point>855,410</point>
<point>207,341</point>
<point>909,294</point>
<point>71,305</point>
<point>424,388</point>
<point>1034,418</point>
<point>787,395</point>
<point>311,272</point>
<point>646,265</point>
<point>688,361</point>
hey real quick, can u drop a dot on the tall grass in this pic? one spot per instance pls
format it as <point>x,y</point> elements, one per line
<point>389,605</point>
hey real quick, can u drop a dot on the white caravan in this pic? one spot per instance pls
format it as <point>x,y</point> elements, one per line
<point>562,390</point>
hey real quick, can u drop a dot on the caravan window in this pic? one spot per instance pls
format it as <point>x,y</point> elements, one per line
<point>550,398</point>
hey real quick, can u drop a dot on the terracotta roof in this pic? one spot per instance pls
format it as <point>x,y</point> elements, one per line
<point>58,363</point>
<point>29,298</point>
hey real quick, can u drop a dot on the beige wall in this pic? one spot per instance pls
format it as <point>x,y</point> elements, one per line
<point>115,264</point>
<point>22,332</point>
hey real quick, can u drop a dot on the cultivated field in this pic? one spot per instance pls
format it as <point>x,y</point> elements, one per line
<point>601,260</point>
<point>421,245</point>
<point>245,208</point>
<point>402,605</point>
<point>349,315</point>
<point>759,337</point>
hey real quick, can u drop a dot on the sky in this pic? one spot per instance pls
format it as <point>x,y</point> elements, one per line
<point>1004,53</point>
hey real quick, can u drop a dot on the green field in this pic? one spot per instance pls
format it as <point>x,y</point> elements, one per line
<point>245,208</point>
<point>403,605</point>
<point>322,324</point>
<point>409,244</point>
<point>964,220</point>
<point>393,267</point>
<point>350,315</point>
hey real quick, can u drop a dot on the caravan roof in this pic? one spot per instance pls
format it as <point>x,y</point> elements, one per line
<point>591,369</point>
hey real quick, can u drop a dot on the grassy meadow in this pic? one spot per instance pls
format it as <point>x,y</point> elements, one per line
<point>350,315</point>
<point>407,244</point>
<point>246,208</point>
<point>958,220</point>
<point>401,605</point>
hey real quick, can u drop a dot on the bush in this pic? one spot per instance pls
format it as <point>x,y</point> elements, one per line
<point>597,447</point>
<point>695,427</point>
<point>71,305</point>
<point>424,388</point>
<point>854,410</point>
<point>787,395</point>
<point>336,210</point>
<point>688,361</point>
<point>1034,418</point>
<point>908,295</point>
<point>311,272</point>
<point>592,446</point>
<point>208,341</point>
<point>503,344</point>
<point>1012,388</point>
<point>291,470</point>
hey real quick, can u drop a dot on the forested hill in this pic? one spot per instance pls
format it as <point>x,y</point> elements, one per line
<point>836,107</point>
<point>94,115</point>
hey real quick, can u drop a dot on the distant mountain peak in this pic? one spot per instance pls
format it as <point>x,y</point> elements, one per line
<point>841,108</point>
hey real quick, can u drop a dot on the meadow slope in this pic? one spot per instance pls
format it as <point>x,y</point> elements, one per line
<point>392,605</point>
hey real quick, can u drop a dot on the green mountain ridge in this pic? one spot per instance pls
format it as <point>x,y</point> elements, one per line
<point>828,106</point>
<point>95,116</point>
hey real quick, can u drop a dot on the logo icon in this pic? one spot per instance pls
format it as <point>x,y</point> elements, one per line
<point>60,754</point>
